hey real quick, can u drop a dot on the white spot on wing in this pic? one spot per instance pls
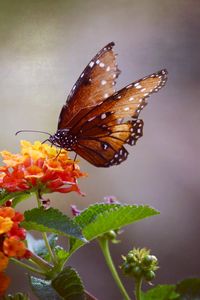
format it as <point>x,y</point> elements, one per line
<point>136,84</point>
<point>103,82</point>
<point>91,64</point>
<point>108,69</point>
<point>103,116</point>
<point>126,108</point>
<point>101,65</point>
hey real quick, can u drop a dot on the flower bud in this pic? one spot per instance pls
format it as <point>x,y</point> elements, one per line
<point>138,263</point>
<point>148,260</point>
<point>136,271</point>
<point>149,275</point>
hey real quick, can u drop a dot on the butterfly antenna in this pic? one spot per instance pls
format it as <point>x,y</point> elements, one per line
<point>20,131</point>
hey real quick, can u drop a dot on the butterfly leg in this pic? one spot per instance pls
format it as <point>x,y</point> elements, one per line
<point>45,141</point>
<point>74,161</point>
<point>58,153</point>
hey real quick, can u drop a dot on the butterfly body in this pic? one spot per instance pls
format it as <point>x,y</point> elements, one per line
<point>64,139</point>
<point>97,122</point>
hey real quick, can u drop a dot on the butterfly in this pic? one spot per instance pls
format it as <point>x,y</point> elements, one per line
<point>96,121</point>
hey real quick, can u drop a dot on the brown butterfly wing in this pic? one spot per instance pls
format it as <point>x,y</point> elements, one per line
<point>102,132</point>
<point>95,84</point>
<point>107,148</point>
<point>128,102</point>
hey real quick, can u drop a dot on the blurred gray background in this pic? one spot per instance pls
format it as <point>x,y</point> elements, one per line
<point>44,47</point>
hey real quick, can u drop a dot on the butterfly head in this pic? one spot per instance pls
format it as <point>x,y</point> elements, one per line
<point>63,139</point>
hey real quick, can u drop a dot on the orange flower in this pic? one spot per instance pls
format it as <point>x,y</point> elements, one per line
<point>11,237</point>
<point>7,212</point>
<point>13,247</point>
<point>3,261</point>
<point>5,224</point>
<point>39,166</point>
<point>5,281</point>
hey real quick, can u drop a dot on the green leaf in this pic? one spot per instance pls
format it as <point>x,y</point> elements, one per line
<point>61,254</point>
<point>16,197</point>
<point>51,220</point>
<point>189,289</point>
<point>98,219</point>
<point>160,292</point>
<point>38,246</point>
<point>18,296</point>
<point>43,289</point>
<point>68,285</point>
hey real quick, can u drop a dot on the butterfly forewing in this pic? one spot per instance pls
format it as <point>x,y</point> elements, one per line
<point>95,84</point>
<point>127,102</point>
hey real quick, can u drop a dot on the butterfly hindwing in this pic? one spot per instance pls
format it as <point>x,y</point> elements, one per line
<point>107,147</point>
<point>95,84</point>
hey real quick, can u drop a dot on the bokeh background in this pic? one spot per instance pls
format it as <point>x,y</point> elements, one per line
<point>44,46</point>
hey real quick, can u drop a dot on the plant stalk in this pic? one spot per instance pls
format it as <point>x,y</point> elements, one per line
<point>28,267</point>
<point>106,252</point>
<point>44,235</point>
<point>138,285</point>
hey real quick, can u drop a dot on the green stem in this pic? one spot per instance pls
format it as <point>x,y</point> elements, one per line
<point>44,235</point>
<point>45,238</point>
<point>106,252</point>
<point>138,285</point>
<point>23,265</point>
<point>40,262</point>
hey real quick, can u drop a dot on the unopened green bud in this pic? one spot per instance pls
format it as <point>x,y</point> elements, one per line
<point>149,275</point>
<point>154,258</point>
<point>130,257</point>
<point>148,260</point>
<point>126,268</point>
<point>111,235</point>
<point>136,271</point>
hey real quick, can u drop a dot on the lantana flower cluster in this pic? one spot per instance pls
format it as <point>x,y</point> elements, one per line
<point>39,166</point>
<point>12,244</point>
